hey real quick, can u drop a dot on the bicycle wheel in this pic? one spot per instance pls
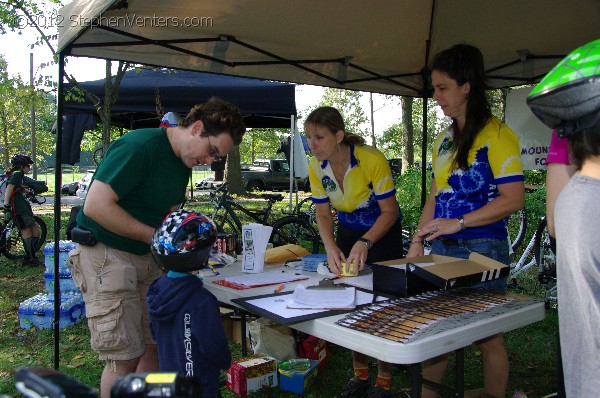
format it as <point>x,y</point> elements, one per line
<point>14,244</point>
<point>544,256</point>
<point>98,156</point>
<point>306,209</point>
<point>517,226</point>
<point>296,231</point>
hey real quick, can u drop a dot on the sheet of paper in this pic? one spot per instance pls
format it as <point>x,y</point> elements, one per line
<point>332,298</point>
<point>265,278</point>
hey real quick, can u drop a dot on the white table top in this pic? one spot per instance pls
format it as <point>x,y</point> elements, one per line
<point>383,349</point>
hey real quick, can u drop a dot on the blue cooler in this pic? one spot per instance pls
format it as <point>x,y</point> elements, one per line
<point>38,310</point>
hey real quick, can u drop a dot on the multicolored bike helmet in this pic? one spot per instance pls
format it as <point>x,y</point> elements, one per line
<point>568,97</point>
<point>21,160</point>
<point>183,241</point>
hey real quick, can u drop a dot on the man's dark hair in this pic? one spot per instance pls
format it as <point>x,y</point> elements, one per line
<point>218,116</point>
<point>584,144</point>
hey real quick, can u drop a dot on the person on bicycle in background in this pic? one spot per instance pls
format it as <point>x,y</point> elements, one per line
<point>17,205</point>
<point>568,99</point>
<point>142,178</point>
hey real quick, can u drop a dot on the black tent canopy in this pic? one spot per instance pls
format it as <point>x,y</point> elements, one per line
<point>145,94</point>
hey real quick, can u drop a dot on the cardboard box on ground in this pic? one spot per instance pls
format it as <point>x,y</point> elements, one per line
<point>232,325</point>
<point>411,276</point>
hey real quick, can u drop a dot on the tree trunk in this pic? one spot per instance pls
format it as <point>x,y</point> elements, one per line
<point>233,172</point>
<point>408,148</point>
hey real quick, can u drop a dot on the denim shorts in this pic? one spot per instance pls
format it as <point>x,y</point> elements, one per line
<point>495,249</point>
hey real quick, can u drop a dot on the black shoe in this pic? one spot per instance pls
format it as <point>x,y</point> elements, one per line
<point>379,392</point>
<point>355,388</point>
<point>33,262</point>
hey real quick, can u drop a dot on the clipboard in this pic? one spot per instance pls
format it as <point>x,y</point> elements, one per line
<point>273,306</point>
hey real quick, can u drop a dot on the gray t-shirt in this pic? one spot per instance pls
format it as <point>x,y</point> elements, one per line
<point>577,216</point>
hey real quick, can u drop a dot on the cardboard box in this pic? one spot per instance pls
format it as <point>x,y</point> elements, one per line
<point>404,277</point>
<point>298,382</point>
<point>252,375</point>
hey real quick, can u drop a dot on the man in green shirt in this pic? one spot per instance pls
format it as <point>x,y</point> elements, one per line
<point>142,178</point>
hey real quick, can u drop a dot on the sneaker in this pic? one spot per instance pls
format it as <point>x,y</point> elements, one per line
<point>379,392</point>
<point>34,262</point>
<point>355,388</point>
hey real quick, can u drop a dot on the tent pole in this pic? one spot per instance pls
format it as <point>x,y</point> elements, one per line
<point>292,175</point>
<point>58,184</point>
<point>424,155</point>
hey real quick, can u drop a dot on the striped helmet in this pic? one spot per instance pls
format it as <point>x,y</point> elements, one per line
<point>183,241</point>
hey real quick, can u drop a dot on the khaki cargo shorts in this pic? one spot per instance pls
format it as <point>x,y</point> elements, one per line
<point>114,285</point>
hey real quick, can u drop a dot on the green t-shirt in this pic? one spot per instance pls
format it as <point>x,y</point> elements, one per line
<point>21,205</point>
<point>148,178</point>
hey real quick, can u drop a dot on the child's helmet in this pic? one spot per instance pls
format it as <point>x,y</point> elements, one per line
<point>20,160</point>
<point>568,97</point>
<point>183,241</point>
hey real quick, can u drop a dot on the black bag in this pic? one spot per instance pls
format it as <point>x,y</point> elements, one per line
<point>72,221</point>
<point>37,186</point>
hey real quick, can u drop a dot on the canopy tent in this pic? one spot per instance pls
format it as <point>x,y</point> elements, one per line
<point>381,47</point>
<point>146,94</point>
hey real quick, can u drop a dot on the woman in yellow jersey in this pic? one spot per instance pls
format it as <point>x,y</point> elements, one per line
<point>477,183</point>
<point>357,181</point>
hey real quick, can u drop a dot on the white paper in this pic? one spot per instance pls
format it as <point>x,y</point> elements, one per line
<point>323,298</point>
<point>255,238</point>
<point>265,278</point>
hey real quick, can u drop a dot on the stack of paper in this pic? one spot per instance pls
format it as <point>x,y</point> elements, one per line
<point>337,298</point>
<point>255,238</point>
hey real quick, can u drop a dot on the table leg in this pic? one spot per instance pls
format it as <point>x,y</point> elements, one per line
<point>243,326</point>
<point>459,373</point>
<point>416,380</point>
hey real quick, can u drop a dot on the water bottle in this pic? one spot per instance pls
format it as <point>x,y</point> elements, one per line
<point>295,365</point>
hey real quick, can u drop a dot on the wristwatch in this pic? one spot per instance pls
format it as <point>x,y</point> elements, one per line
<point>461,221</point>
<point>367,243</point>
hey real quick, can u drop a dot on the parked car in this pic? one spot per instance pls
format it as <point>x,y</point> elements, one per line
<point>208,183</point>
<point>84,184</point>
<point>70,188</point>
<point>270,174</point>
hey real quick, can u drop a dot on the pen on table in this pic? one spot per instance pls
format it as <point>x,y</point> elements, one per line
<point>213,269</point>
<point>279,288</point>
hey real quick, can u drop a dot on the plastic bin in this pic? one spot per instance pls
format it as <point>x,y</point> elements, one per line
<point>38,310</point>
<point>66,282</point>
<point>298,382</point>
<point>310,262</point>
<point>64,247</point>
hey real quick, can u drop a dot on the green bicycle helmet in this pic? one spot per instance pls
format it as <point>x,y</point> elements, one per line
<point>568,97</point>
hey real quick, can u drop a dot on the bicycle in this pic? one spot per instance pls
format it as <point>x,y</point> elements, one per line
<point>306,209</point>
<point>288,229</point>
<point>537,253</point>
<point>11,244</point>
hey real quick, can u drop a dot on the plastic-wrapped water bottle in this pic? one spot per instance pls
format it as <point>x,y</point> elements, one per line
<point>295,365</point>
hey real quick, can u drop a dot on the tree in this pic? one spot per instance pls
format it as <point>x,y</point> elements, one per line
<point>15,14</point>
<point>16,98</point>
<point>348,103</point>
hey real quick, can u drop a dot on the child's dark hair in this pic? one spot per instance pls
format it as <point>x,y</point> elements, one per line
<point>332,120</point>
<point>464,63</point>
<point>218,116</point>
<point>584,144</point>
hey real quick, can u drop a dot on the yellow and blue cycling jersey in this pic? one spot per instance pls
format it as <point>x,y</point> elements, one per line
<point>494,159</point>
<point>367,180</point>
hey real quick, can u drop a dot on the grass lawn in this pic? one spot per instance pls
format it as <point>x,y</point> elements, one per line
<point>532,349</point>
